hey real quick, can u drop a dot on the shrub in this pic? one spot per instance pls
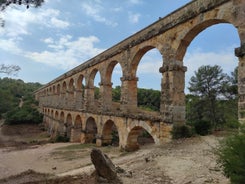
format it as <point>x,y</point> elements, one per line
<point>231,156</point>
<point>181,131</point>
<point>60,138</point>
<point>23,115</point>
<point>202,127</point>
<point>232,124</point>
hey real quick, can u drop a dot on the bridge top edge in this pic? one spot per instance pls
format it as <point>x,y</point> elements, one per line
<point>129,41</point>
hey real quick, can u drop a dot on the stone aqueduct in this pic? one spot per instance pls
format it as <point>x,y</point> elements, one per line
<point>68,102</point>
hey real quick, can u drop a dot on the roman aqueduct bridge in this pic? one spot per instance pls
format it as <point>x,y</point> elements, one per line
<point>69,104</point>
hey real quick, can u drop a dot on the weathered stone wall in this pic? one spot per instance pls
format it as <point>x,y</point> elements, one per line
<point>74,91</point>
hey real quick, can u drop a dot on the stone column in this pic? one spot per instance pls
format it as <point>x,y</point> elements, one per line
<point>240,53</point>
<point>106,96</point>
<point>79,99</point>
<point>89,98</point>
<point>172,106</point>
<point>129,94</point>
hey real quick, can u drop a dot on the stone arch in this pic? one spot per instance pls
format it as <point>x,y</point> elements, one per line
<point>136,130</point>
<point>58,89</point>
<point>52,113</point>
<point>68,126</point>
<point>79,82</point>
<point>50,90</point>
<point>80,87</point>
<point>191,34</point>
<point>71,85</point>
<point>92,77</point>
<point>56,116</point>
<point>94,95</point>
<point>54,90</point>
<point>110,134</point>
<point>64,87</point>
<point>61,123</point>
<point>108,84</point>
<point>109,70</point>
<point>90,130</point>
<point>76,130</point>
<point>133,143</point>
<point>137,57</point>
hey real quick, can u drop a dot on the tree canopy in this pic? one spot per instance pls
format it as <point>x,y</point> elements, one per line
<point>213,98</point>
<point>12,91</point>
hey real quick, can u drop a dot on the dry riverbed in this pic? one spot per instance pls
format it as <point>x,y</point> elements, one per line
<point>186,161</point>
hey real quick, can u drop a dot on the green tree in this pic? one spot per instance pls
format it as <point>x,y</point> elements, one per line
<point>231,156</point>
<point>12,91</point>
<point>208,85</point>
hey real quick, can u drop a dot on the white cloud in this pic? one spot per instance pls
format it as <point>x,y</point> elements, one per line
<point>134,17</point>
<point>193,60</point>
<point>95,11</point>
<point>59,23</point>
<point>18,21</point>
<point>10,46</point>
<point>66,53</point>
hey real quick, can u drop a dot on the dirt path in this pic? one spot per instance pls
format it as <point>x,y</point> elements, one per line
<point>189,161</point>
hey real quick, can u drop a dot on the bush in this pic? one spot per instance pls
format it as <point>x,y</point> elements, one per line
<point>23,115</point>
<point>233,124</point>
<point>181,131</point>
<point>231,156</point>
<point>202,127</point>
<point>60,138</point>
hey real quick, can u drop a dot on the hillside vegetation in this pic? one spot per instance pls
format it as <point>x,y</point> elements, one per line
<point>17,104</point>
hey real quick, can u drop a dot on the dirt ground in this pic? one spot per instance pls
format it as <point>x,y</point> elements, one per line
<point>26,157</point>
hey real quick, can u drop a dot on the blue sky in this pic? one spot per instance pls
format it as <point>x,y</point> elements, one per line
<point>49,41</point>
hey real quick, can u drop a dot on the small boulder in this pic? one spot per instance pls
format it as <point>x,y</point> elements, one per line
<point>104,167</point>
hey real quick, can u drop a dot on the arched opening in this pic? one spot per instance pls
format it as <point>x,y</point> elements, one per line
<point>137,137</point>
<point>54,90</point>
<point>113,78</point>
<point>61,123</point>
<point>110,134</point>
<point>58,89</point>
<point>90,131</point>
<point>56,116</point>
<point>81,84</point>
<point>64,88</point>
<point>96,84</point>
<point>205,45</point>
<point>71,86</point>
<point>147,64</point>
<point>68,126</point>
<point>76,130</point>
<point>93,90</point>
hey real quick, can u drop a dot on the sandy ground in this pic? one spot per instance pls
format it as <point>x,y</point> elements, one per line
<point>188,161</point>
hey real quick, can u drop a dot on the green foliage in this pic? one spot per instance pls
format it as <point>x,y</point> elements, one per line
<point>116,94</point>
<point>11,93</point>
<point>202,127</point>
<point>26,114</point>
<point>149,99</point>
<point>60,138</point>
<point>231,156</point>
<point>181,131</point>
<point>213,102</point>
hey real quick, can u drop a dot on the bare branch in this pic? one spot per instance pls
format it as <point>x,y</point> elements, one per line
<point>9,69</point>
